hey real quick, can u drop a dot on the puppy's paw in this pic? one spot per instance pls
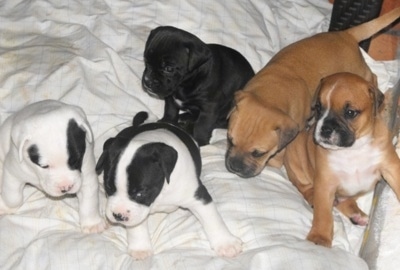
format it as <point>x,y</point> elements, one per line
<point>319,239</point>
<point>4,210</point>
<point>140,254</point>
<point>228,247</point>
<point>359,219</point>
<point>95,228</point>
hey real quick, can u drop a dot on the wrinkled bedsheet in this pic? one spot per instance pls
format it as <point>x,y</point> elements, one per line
<point>90,54</point>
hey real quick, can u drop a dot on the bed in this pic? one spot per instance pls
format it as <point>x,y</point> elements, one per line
<point>90,54</point>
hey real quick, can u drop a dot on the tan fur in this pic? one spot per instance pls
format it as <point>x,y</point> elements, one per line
<point>307,163</point>
<point>275,104</point>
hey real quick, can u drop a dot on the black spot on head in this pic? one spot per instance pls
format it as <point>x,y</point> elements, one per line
<point>76,145</point>
<point>150,167</point>
<point>33,153</point>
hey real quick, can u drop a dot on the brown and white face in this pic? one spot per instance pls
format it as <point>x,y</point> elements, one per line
<point>255,135</point>
<point>345,107</point>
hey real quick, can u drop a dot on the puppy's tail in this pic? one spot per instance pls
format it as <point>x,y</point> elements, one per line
<point>368,29</point>
<point>139,118</point>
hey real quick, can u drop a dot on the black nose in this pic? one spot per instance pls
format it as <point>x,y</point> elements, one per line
<point>326,131</point>
<point>119,217</point>
<point>66,189</point>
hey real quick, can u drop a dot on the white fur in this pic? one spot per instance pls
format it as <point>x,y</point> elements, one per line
<point>178,193</point>
<point>45,125</point>
<point>363,172</point>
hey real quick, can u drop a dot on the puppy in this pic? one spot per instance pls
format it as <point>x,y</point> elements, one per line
<point>275,104</point>
<point>155,167</point>
<point>49,145</point>
<point>343,154</point>
<point>193,77</point>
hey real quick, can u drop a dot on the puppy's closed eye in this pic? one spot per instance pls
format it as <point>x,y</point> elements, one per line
<point>258,153</point>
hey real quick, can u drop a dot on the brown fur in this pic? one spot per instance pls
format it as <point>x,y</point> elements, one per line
<point>307,163</point>
<point>275,104</point>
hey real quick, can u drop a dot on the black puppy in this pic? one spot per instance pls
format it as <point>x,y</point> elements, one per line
<point>197,78</point>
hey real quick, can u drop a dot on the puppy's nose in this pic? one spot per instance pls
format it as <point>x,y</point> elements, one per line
<point>120,217</point>
<point>326,131</point>
<point>66,188</point>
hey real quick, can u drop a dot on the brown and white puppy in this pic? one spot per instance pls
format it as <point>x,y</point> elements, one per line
<point>343,154</point>
<point>274,105</point>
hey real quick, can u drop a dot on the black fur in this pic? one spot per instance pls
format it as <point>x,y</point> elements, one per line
<point>202,77</point>
<point>76,145</point>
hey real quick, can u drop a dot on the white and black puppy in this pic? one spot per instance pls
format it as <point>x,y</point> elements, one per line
<point>192,76</point>
<point>155,167</point>
<point>49,145</point>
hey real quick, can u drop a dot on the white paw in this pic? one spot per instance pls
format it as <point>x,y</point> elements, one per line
<point>95,228</point>
<point>4,210</point>
<point>228,247</point>
<point>140,254</point>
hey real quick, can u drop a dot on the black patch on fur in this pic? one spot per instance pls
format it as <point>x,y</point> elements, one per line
<point>150,166</point>
<point>76,145</point>
<point>33,153</point>
<point>202,194</point>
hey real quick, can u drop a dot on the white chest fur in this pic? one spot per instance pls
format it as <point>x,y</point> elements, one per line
<point>356,167</point>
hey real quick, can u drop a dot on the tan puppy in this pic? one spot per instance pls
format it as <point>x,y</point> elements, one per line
<point>275,103</point>
<point>343,155</point>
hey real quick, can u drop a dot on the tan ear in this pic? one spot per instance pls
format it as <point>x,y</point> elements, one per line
<point>238,96</point>
<point>287,132</point>
<point>377,96</point>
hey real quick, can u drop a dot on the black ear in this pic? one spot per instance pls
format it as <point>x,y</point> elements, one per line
<point>198,53</point>
<point>103,156</point>
<point>167,157</point>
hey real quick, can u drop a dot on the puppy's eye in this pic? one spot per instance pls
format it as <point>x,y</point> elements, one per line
<point>258,154</point>
<point>168,69</point>
<point>44,166</point>
<point>317,108</point>
<point>351,114</point>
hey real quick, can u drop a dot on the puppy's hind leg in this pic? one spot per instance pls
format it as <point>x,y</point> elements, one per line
<point>351,210</point>
<point>222,241</point>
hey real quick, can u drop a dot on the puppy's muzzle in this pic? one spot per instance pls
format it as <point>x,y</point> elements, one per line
<point>237,165</point>
<point>119,217</point>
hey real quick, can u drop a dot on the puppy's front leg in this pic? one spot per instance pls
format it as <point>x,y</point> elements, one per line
<point>321,232</point>
<point>203,127</point>
<point>221,240</point>
<point>11,196</point>
<point>139,242</point>
<point>171,111</point>
<point>88,197</point>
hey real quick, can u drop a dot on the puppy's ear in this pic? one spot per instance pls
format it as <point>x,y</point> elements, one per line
<point>168,157</point>
<point>314,101</point>
<point>19,137</point>
<point>85,126</point>
<point>287,131</point>
<point>377,97</point>
<point>104,155</point>
<point>198,54</point>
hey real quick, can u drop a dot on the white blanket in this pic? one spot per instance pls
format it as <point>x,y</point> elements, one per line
<point>89,53</point>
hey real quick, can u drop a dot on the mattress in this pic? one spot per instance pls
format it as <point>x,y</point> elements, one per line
<point>90,54</point>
